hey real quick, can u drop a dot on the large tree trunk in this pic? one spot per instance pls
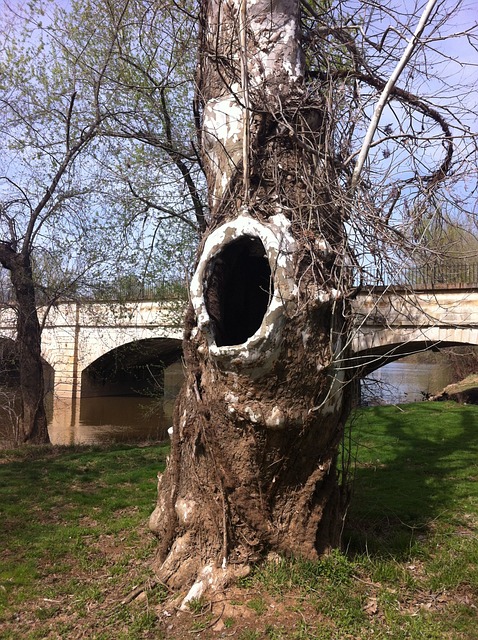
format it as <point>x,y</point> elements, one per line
<point>28,347</point>
<point>253,465</point>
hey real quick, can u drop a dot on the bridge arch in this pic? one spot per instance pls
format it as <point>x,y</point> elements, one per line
<point>8,365</point>
<point>132,368</point>
<point>390,345</point>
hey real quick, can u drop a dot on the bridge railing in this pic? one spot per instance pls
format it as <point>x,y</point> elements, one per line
<point>450,275</point>
<point>429,276</point>
<point>140,292</point>
<point>121,292</point>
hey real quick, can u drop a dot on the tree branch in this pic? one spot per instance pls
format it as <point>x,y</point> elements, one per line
<point>386,92</point>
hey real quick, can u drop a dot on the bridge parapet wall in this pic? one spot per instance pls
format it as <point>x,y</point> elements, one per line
<point>417,310</point>
<point>388,326</point>
<point>115,314</point>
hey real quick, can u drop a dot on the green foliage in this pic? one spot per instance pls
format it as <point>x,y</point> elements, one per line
<point>197,605</point>
<point>258,605</point>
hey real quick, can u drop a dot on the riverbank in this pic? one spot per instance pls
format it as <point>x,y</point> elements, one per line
<point>74,544</point>
<point>465,391</point>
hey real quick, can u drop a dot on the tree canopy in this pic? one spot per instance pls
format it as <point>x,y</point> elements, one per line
<point>114,84</point>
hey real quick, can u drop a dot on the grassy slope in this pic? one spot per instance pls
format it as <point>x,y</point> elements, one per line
<point>74,543</point>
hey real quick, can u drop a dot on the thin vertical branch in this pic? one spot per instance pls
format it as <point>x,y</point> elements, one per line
<point>245,92</point>
<point>387,91</point>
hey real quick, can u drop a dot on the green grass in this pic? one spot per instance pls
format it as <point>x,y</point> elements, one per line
<point>417,471</point>
<point>63,511</point>
<point>74,542</point>
<point>409,568</point>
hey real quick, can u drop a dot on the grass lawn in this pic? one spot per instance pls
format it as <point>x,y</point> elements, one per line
<point>74,544</point>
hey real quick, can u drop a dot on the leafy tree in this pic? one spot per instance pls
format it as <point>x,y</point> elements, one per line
<point>46,124</point>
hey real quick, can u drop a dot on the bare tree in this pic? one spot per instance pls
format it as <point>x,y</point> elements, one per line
<point>284,94</point>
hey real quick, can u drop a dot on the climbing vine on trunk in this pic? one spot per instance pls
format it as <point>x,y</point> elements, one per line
<point>260,418</point>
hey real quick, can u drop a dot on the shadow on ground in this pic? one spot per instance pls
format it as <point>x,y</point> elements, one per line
<point>415,465</point>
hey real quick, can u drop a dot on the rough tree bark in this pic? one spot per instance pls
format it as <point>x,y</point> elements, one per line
<point>33,420</point>
<point>259,420</point>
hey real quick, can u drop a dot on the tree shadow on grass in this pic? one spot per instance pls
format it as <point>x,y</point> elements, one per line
<point>415,466</point>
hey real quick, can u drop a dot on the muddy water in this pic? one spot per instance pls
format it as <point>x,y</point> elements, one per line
<point>131,419</point>
<point>123,419</point>
<point>400,382</point>
<point>100,420</point>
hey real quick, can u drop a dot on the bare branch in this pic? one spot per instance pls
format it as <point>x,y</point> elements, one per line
<point>387,90</point>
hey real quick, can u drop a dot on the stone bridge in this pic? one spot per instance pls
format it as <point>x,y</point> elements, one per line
<point>78,335</point>
<point>390,324</point>
<point>387,325</point>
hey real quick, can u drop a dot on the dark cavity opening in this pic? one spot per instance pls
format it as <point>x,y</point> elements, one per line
<point>238,290</point>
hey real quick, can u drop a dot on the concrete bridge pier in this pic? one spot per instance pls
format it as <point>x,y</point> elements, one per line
<point>60,347</point>
<point>67,380</point>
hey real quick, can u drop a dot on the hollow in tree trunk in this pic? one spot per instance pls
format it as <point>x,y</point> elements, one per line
<point>259,420</point>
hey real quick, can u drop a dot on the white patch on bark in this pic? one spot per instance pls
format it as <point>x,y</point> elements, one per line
<point>277,58</point>
<point>305,337</point>
<point>185,509</point>
<point>253,417</point>
<point>182,422</point>
<point>276,419</point>
<point>205,580</point>
<point>213,579</point>
<point>194,593</point>
<point>222,121</point>
<point>222,132</point>
<point>258,351</point>
<point>326,296</point>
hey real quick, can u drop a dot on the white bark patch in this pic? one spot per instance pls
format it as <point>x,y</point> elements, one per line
<point>275,57</point>
<point>185,509</point>
<point>222,133</point>
<point>306,336</point>
<point>194,593</point>
<point>259,350</point>
<point>276,419</point>
<point>253,417</point>
<point>231,400</point>
<point>182,422</point>
<point>209,579</point>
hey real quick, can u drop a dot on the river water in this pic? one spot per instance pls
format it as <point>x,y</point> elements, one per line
<point>107,419</point>
<point>401,382</point>
<point>101,420</point>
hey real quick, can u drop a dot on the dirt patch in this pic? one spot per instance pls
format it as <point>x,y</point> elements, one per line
<point>243,613</point>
